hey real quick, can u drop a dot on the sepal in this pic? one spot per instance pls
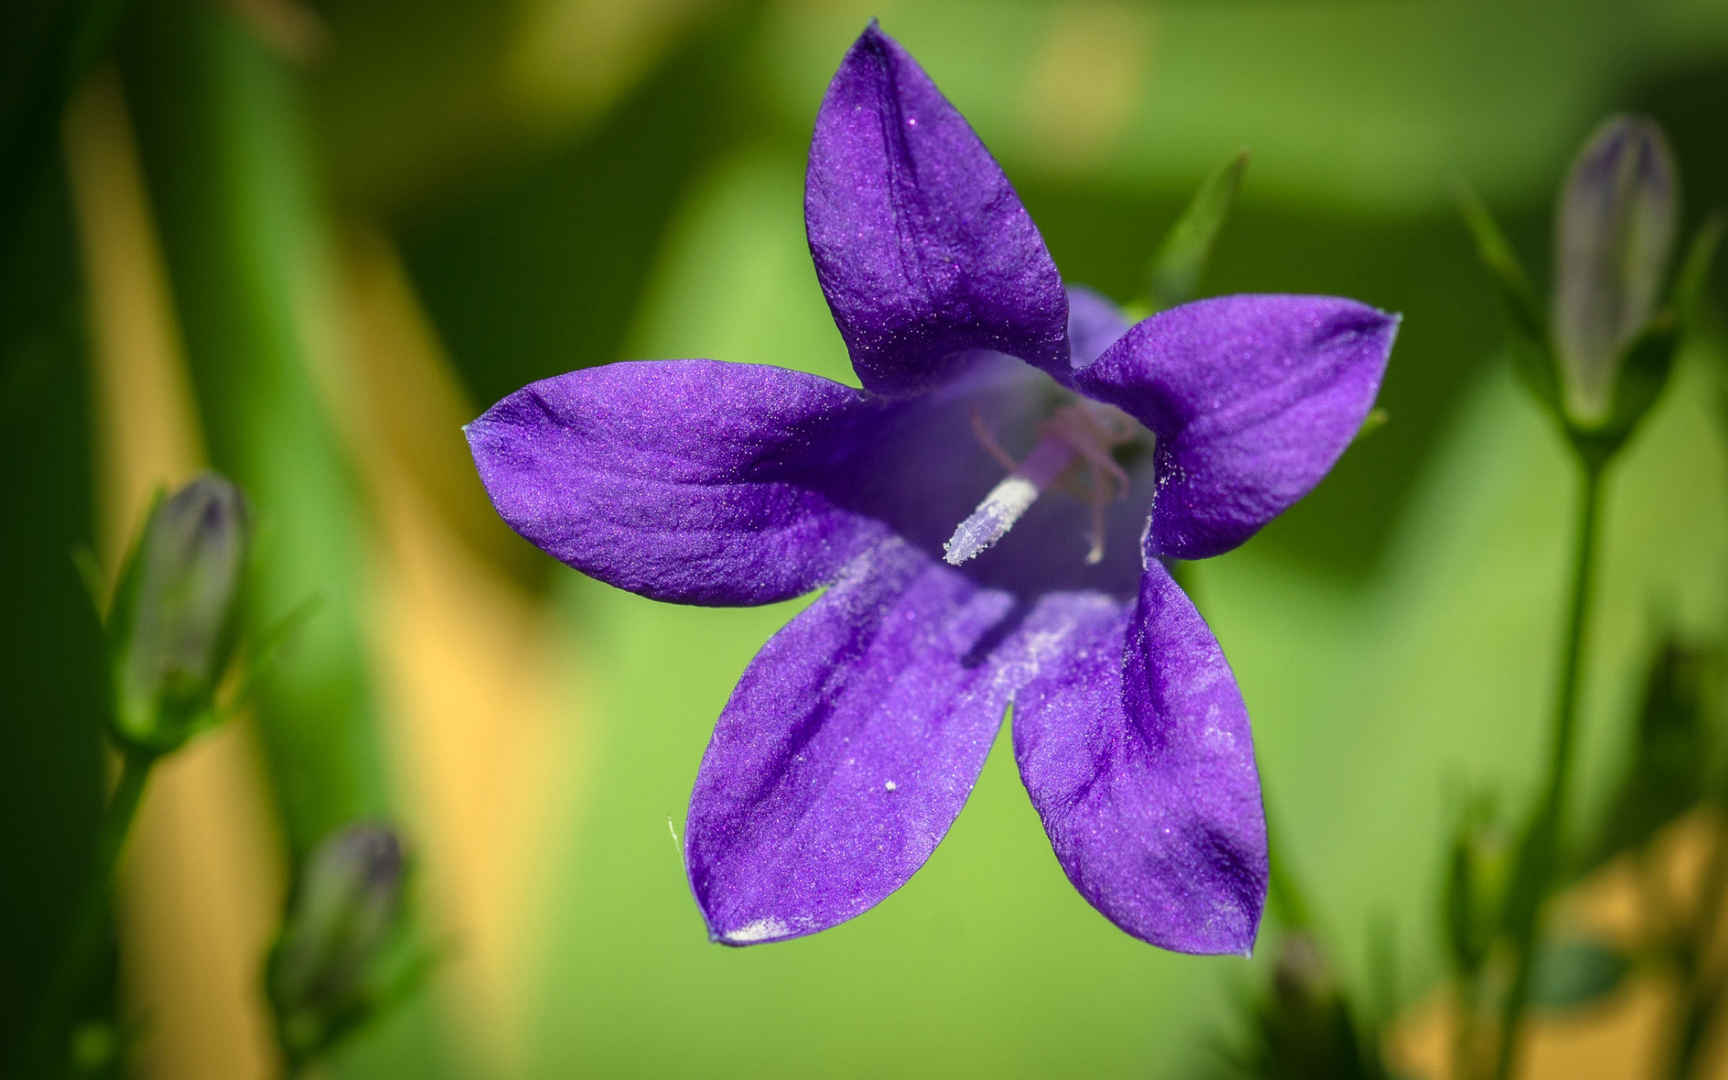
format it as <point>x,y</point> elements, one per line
<point>1532,353</point>
<point>1647,361</point>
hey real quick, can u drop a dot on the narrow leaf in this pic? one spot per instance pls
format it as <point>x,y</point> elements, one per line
<point>1174,275</point>
<point>1532,354</point>
<point>1667,761</point>
<point>1695,269</point>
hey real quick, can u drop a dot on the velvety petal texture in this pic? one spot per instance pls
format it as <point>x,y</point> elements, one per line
<point>847,749</point>
<point>1094,324</point>
<point>1137,755</point>
<point>1252,398</point>
<point>920,243</point>
<point>682,480</point>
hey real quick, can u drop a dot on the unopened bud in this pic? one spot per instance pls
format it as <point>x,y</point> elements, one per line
<point>1306,1027</point>
<point>1301,977</point>
<point>176,613</point>
<point>344,916</point>
<point>1613,240</point>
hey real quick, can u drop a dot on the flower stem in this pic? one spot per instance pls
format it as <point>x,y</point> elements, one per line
<point>1467,1001</point>
<point>85,932</point>
<point>1540,856</point>
<point>116,824</point>
<point>1703,1003</point>
<point>1700,993</point>
<point>1284,893</point>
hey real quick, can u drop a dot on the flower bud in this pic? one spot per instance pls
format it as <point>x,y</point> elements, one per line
<point>342,921</point>
<point>1305,1026</point>
<point>175,616</point>
<point>1478,878</point>
<point>1613,239</point>
<point>1301,975</point>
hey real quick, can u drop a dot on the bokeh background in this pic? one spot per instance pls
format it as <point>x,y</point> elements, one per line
<point>305,242</point>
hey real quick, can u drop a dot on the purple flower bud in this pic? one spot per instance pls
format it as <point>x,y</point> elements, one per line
<point>343,917</point>
<point>1301,976</point>
<point>174,620</point>
<point>1613,238</point>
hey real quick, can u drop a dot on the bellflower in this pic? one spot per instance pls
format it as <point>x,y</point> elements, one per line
<point>977,512</point>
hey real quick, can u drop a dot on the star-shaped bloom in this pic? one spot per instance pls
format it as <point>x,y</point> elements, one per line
<point>978,515</point>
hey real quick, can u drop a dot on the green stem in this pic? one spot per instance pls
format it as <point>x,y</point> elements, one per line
<point>1699,1010</point>
<point>1284,894</point>
<point>117,820</point>
<point>1540,856</point>
<point>1707,920</point>
<point>89,923</point>
<point>1468,1001</point>
<point>294,1064</point>
<point>1700,992</point>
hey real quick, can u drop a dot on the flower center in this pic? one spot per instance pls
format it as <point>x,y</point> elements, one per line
<point>1075,442</point>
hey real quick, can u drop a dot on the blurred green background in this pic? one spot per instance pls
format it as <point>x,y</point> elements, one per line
<point>304,242</point>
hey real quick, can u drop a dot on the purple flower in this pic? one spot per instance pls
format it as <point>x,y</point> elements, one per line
<point>979,522</point>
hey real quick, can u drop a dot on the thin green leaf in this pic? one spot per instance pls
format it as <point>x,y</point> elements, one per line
<point>1695,269</point>
<point>261,654</point>
<point>1180,261</point>
<point>1532,354</point>
<point>1668,758</point>
<point>1383,971</point>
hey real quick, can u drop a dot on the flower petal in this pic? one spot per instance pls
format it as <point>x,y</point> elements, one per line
<point>920,243</point>
<point>846,751</point>
<point>1138,757</point>
<point>1094,324</point>
<point>707,483</point>
<point>1253,398</point>
<point>682,480</point>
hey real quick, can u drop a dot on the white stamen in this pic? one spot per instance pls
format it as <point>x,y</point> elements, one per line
<point>992,520</point>
<point>1086,431</point>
